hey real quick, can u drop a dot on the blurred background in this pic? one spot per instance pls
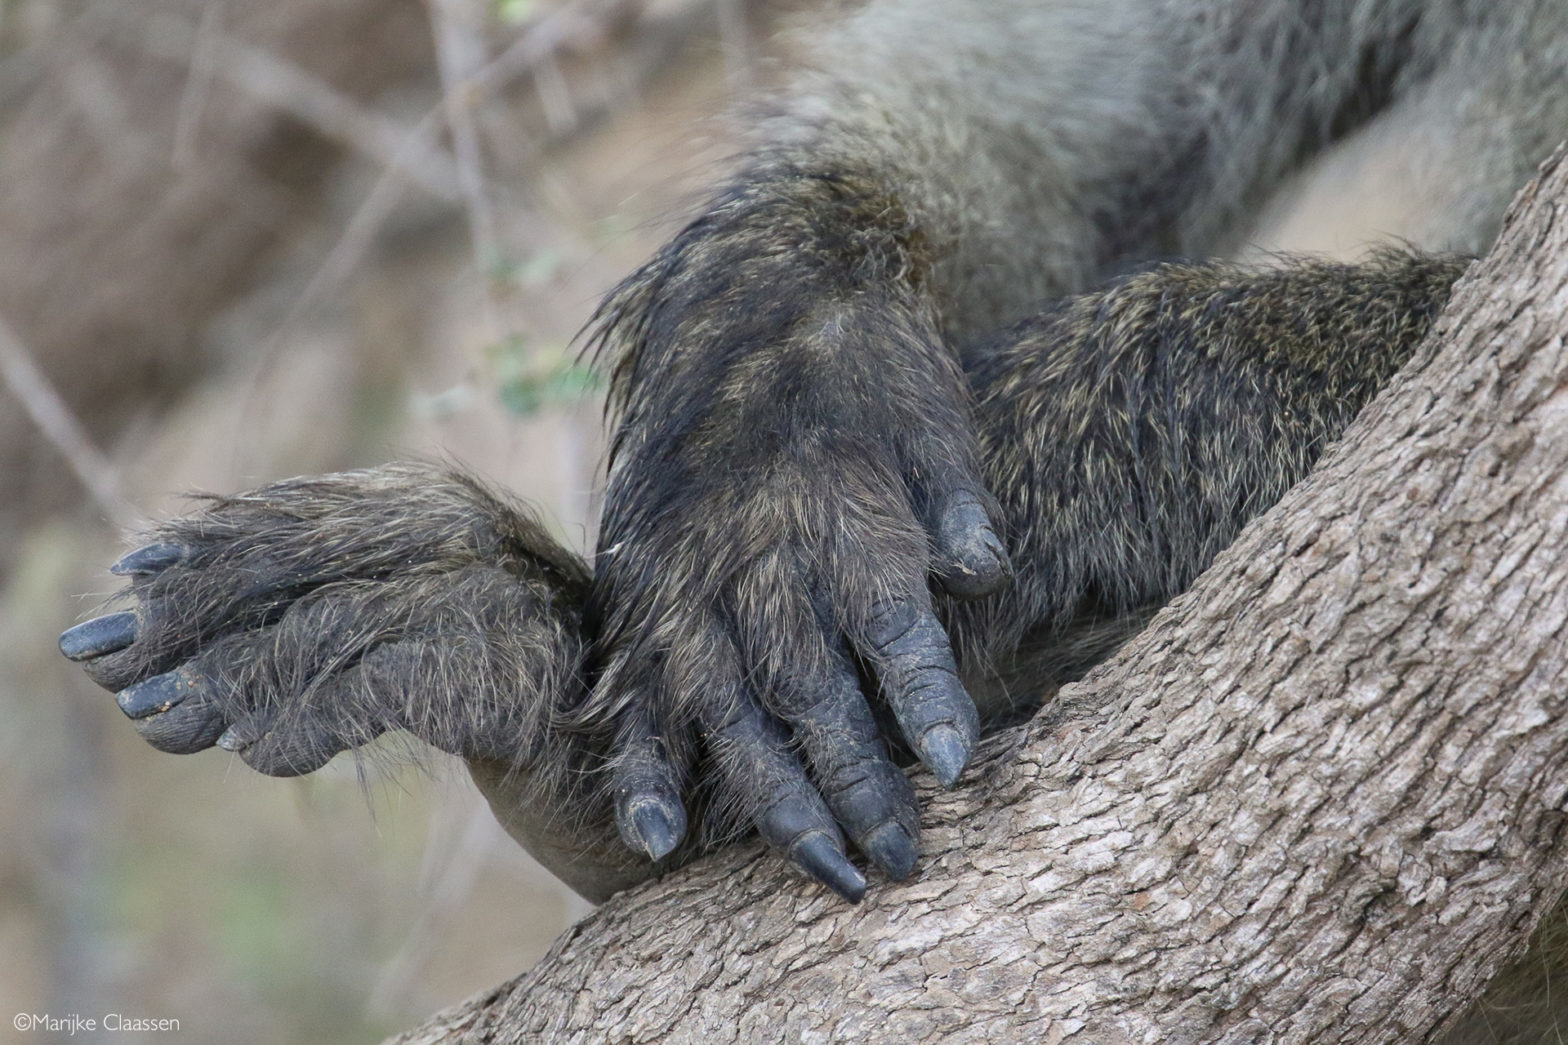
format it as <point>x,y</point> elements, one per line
<point>243,241</point>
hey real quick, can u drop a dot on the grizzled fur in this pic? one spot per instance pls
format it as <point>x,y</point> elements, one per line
<point>1130,433</point>
<point>853,484</point>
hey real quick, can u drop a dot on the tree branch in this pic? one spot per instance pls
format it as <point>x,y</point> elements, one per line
<point>109,271</point>
<point>1319,800</point>
<point>269,78</point>
<point>44,407</point>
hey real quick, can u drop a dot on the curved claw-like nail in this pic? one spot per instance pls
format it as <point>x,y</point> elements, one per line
<point>98,636</point>
<point>891,849</point>
<point>159,693</point>
<point>945,752</point>
<point>658,828</point>
<point>150,558</point>
<point>978,562</point>
<point>825,862</point>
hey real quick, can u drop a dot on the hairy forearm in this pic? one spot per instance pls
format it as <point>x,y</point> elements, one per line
<point>1129,433</point>
<point>1040,147</point>
<point>786,239</point>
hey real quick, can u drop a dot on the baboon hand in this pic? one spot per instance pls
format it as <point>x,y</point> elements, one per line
<point>309,616</point>
<point>762,594</point>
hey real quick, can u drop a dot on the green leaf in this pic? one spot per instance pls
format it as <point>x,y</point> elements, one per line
<point>515,12</point>
<point>530,379</point>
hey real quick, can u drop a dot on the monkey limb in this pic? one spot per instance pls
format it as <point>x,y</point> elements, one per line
<point>1129,433</point>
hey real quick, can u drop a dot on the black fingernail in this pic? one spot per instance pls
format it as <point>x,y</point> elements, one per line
<point>891,849</point>
<point>657,832</point>
<point>978,563</point>
<point>159,693</point>
<point>149,559</point>
<point>231,740</point>
<point>98,636</point>
<point>945,752</point>
<point>825,862</point>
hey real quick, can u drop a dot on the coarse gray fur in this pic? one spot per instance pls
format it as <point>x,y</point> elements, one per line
<point>1041,147</point>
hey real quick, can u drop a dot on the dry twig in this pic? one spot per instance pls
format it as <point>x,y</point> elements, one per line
<point>54,419</point>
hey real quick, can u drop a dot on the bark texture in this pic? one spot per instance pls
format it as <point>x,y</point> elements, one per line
<point>1319,800</point>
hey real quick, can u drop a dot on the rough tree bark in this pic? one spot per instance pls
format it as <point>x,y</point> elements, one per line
<point>1320,799</point>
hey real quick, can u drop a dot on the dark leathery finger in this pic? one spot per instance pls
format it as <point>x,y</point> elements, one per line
<point>157,694</point>
<point>187,727</point>
<point>285,745</point>
<point>753,756</point>
<point>868,794</point>
<point>919,677</point>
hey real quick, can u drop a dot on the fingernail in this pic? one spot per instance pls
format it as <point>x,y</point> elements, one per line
<point>825,862</point>
<point>658,833</point>
<point>978,563</point>
<point>892,849</point>
<point>98,636</point>
<point>945,752</point>
<point>159,693</point>
<point>150,558</point>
